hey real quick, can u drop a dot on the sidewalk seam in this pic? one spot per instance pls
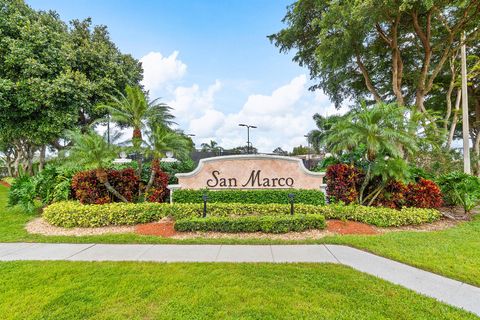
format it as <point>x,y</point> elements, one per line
<point>334,256</point>
<point>218,253</point>
<point>80,251</point>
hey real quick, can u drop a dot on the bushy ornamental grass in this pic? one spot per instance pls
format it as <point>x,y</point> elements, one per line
<point>315,197</point>
<point>268,224</point>
<point>73,214</point>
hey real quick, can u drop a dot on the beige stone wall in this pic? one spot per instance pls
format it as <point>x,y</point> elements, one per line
<point>251,172</point>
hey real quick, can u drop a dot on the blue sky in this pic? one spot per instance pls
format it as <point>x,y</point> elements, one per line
<point>211,61</point>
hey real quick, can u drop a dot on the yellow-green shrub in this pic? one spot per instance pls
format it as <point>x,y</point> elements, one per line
<point>73,214</point>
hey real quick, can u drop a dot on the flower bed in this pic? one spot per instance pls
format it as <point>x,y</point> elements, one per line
<point>73,214</point>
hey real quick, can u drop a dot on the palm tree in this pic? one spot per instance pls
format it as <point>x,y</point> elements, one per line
<point>211,147</point>
<point>387,132</point>
<point>91,150</point>
<point>134,110</point>
<point>161,140</point>
<point>384,129</point>
<point>317,137</point>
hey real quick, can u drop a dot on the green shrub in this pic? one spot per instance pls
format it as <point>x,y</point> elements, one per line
<point>74,214</point>
<point>52,184</point>
<point>23,193</point>
<point>269,224</point>
<point>380,216</point>
<point>172,168</point>
<point>314,197</point>
<point>459,188</point>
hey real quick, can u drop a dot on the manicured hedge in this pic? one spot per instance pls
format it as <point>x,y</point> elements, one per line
<point>73,214</point>
<point>314,197</point>
<point>380,216</point>
<point>269,224</point>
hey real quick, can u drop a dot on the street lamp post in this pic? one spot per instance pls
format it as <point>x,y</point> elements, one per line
<point>248,134</point>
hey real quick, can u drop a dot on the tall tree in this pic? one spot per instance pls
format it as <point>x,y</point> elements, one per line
<point>107,70</point>
<point>373,49</point>
<point>135,111</point>
<point>52,76</point>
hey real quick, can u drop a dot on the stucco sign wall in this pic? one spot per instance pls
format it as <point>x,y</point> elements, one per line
<point>250,172</point>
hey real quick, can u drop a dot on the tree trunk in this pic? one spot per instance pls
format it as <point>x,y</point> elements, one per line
<point>102,177</point>
<point>41,163</point>
<point>137,143</point>
<point>368,82</point>
<point>114,192</point>
<point>9,162</point>
<point>155,163</point>
<point>9,167</point>
<point>30,153</point>
<point>451,86</point>
<point>455,118</point>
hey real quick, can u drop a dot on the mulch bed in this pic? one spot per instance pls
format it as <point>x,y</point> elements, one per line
<point>350,227</point>
<point>166,228</point>
<point>5,184</point>
<point>162,228</point>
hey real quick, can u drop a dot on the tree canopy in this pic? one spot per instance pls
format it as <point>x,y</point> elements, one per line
<point>380,49</point>
<point>52,75</point>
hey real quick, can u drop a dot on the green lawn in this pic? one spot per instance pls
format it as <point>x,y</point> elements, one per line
<point>453,252</point>
<point>119,290</point>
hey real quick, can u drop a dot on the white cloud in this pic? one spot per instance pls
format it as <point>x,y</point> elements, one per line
<point>159,70</point>
<point>280,101</point>
<point>207,124</point>
<point>282,117</point>
<point>191,102</point>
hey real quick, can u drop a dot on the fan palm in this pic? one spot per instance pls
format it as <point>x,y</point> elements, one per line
<point>162,140</point>
<point>133,109</point>
<point>92,151</point>
<point>384,129</point>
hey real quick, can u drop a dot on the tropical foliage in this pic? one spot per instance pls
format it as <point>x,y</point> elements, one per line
<point>52,76</point>
<point>135,111</point>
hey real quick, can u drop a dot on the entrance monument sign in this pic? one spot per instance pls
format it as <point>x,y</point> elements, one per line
<point>250,172</point>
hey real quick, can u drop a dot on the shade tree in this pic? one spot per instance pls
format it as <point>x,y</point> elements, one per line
<point>52,76</point>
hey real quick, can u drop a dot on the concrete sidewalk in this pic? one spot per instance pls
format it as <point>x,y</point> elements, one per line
<point>450,291</point>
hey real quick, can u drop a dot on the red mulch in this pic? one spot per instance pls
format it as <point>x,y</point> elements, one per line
<point>5,184</point>
<point>349,227</point>
<point>162,228</point>
<point>166,229</point>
